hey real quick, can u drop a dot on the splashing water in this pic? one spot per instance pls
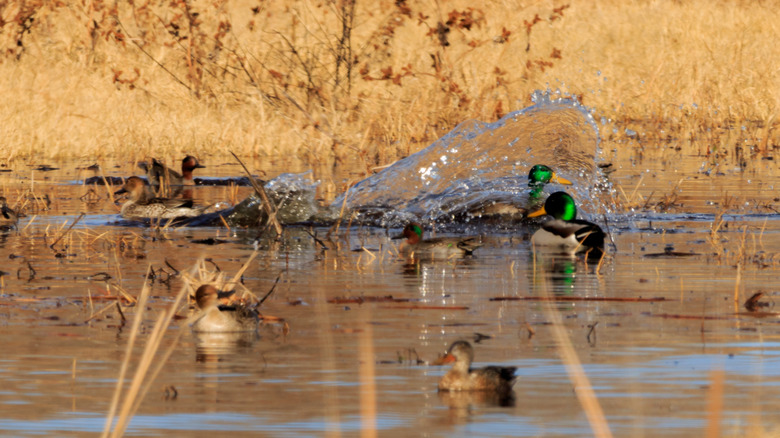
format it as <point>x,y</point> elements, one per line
<point>481,162</point>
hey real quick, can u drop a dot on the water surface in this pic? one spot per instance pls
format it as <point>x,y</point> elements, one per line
<point>355,360</point>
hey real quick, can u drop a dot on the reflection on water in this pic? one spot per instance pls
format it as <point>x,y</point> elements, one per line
<point>650,362</point>
<point>650,326</point>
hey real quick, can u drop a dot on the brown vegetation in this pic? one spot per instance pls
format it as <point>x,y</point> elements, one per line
<point>325,82</point>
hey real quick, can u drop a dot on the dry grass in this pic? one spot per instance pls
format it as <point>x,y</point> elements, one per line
<point>272,82</point>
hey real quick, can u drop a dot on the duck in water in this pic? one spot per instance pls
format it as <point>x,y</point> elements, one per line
<point>564,231</point>
<point>141,205</point>
<point>221,318</point>
<point>538,177</point>
<point>461,377</point>
<point>160,175</point>
<point>436,247</point>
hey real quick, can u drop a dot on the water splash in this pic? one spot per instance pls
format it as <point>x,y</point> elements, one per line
<point>480,162</point>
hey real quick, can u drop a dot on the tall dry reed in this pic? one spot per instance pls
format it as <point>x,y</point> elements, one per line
<point>331,82</point>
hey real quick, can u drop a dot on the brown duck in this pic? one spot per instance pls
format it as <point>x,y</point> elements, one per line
<point>157,171</point>
<point>142,205</point>
<point>217,317</point>
<point>464,378</point>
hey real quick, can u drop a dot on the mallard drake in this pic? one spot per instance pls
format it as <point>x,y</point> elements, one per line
<point>8,217</point>
<point>538,177</point>
<point>142,205</point>
<point>157,172</point>
<point>564,230</point>
<point>461,377</point>
<point>438,247</point>
<point>221,318</point>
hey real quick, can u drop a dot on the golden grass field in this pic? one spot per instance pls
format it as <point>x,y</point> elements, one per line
<point>269,79</point>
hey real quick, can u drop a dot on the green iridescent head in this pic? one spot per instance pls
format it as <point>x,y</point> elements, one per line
<point>413,233</point>
<point>559,205</point>
<point>539,175</point>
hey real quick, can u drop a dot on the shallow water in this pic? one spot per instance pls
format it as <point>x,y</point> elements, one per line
<point>355,361</point>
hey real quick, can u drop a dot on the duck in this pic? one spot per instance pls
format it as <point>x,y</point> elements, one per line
<point>157,172</point>
<point>564,230</point>
<point>217,317</point>
<point>439,247</point>
<point>142,205</point>
<point>461,377</point>
<point>538,177</point>
<point>8,217</point>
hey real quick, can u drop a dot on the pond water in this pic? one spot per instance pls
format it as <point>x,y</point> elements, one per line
<point>659,327</point>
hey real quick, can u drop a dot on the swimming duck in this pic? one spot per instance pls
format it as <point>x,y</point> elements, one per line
<point>461,377</point>
<point>142,205</point>
<point>8,217</point>
<point>564,230</point>
<point>539,176</point>
<point>157,172</point>
<point>439,247</point>
<point>220,318</point>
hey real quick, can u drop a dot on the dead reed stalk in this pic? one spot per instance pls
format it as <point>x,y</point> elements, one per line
<point>143,378</point>
<point>577,375</point>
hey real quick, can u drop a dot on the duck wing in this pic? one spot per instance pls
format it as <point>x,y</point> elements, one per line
<point>505,374</point>
<point>589,234</point>
<point>467,245</point>
<point>172,203</point>
<point>582,230</point>
<point>494,377</point>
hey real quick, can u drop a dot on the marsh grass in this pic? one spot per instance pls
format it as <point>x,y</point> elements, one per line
<point>151,362</point>
<point>574,369</point>
<point>145,373</point>
<point>322,84</point>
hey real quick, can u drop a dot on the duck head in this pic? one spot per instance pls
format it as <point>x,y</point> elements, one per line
<point>135,187</point>
<point>559,205</point>
<point>540,175</point>
<point>190,163</point>
<point>461,354</point>
<point>207,296</point>
<point>413,233</point>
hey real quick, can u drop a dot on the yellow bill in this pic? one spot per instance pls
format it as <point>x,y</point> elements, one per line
<point>559,180</point>
<point>537,213</point>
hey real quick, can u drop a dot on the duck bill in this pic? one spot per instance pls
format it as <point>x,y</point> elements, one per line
<point>537,213</point>
<point>120,191</point>
<point>200,166</point>
<point>398,236</point>
<point>560,179</point>
<point>447,358</point>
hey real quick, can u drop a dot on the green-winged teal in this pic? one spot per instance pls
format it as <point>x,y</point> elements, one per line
<point>157,172</point>
<point>461,377</point>
<point>436,247</point>
<point>220,318</point>
<point>564,230</point>
<point>142,205</point>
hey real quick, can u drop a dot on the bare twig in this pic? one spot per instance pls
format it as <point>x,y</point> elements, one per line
<point>270,291</point>
<point>270,209</point>
<point>67,231</point>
